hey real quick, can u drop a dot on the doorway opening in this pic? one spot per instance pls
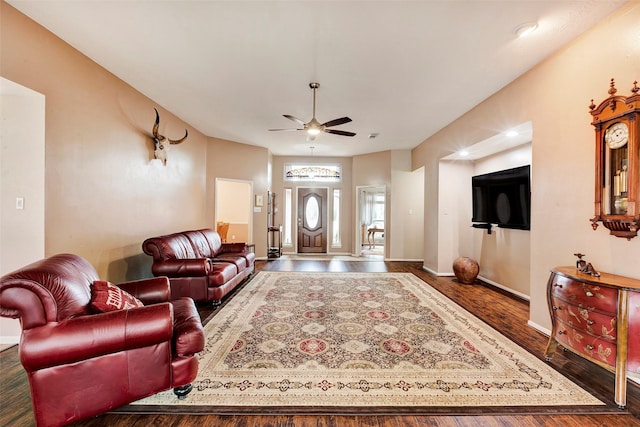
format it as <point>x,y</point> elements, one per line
<point>233,210</point>
<point>371,222</point>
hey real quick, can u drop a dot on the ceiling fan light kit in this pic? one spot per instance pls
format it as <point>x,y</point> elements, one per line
<point>313,127</point>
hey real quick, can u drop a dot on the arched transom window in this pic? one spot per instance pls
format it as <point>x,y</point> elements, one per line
<point>317,173</point>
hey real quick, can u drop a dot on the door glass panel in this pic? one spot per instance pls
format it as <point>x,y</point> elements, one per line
<point>312,212</point>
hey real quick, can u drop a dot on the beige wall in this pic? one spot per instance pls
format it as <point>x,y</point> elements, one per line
<point>455,235</point>
<point>555,96</point>
<point>21,176</point>
<point>505,254</point>
<point>374,170</point>
<point>238,233</point>
<point>99,194</point>
<point>233,161</point>
<point>239,212</point>
<point>234,205</point>
<point>346,223</point>
<point>103,195</point>
<point>22,151</point>
<point>388,169</point>
<point>427,156</point>
<point>405,209</point>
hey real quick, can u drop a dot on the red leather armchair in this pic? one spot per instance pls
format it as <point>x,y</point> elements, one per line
<point>81,363</point>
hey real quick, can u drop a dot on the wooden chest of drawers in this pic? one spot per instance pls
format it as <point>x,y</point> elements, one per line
<point>597,318</point>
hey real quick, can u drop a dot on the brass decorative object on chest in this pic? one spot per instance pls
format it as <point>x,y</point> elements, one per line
<point>617,186</point>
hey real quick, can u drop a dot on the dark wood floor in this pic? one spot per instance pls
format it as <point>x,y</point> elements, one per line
<point>501,311</point>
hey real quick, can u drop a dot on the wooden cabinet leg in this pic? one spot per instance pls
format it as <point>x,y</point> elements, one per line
<point>551,348</point>
<point>621,352</point>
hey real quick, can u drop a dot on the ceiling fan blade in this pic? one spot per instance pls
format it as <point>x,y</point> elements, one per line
<point>336,122</point>
<point>340,132</point>
<point>295,119</point>
<point>313,126</point>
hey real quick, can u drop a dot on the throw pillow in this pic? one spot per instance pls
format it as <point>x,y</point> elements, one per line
<point>105,296</point>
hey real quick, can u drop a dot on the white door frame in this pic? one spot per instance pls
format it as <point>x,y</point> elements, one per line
<point>358,222</point>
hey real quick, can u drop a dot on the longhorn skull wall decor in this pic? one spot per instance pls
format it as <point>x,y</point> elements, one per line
<point>159,141</point>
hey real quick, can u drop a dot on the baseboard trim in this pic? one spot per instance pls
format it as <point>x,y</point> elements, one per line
<point>506,289</point>
<point>539,328</point>
<point>428,270</point>
<point>517,294</point>
<point>9,340</point>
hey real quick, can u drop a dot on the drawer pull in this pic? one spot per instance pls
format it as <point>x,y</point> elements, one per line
<point>557,285</point>
<point>555,307</point>
<point>590,322</point>
<point>561,332</point>
<point>589,347</point>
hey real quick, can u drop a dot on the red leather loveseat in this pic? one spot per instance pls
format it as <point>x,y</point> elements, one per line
<point>89,346</point>
<point>198,264</point>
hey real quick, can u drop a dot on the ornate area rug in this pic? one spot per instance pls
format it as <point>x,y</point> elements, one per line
<point>361,340</point>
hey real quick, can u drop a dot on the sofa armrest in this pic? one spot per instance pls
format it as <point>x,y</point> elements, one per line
<point>182,267</point>
<point>95,335</point>
<point>234,248</point>
<point>149,291</point>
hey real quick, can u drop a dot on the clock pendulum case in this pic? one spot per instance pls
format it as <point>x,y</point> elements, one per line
<point>617,188</point>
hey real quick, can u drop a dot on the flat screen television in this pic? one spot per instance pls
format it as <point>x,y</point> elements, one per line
<point>502,198</point>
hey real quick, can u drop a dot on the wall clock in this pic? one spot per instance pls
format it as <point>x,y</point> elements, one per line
<point>617,135</point>
<point>617,127</point>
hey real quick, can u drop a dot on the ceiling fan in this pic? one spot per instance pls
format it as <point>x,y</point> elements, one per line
<point>314,127</point>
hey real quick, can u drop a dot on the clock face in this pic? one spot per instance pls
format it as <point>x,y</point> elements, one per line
<point>616,135</point>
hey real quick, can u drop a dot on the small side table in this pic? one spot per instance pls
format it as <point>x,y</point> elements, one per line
<point>371,235</point>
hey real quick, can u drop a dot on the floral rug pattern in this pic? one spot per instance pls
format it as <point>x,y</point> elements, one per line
<point>362,340</point>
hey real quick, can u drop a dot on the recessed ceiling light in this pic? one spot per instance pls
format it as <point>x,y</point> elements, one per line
<point>526,29</point>
<point>511,133</point>
<point>463,153</point>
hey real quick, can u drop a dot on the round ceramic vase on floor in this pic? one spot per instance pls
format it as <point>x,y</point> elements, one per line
<point>466,270</point>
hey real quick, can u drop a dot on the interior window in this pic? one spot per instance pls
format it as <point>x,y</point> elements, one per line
<point>335,226</point>
<point>286,238</point>
<point>313,173</point>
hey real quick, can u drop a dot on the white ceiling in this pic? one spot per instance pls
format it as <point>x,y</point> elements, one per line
<point>510,138</point>
<point>231,69</point>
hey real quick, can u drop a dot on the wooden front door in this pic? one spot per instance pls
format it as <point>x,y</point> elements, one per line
<point>312,220</point>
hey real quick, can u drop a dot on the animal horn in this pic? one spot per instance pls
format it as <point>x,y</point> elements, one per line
<point>155,127</point>
<point>162,137</point>
<point>178,141</point>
